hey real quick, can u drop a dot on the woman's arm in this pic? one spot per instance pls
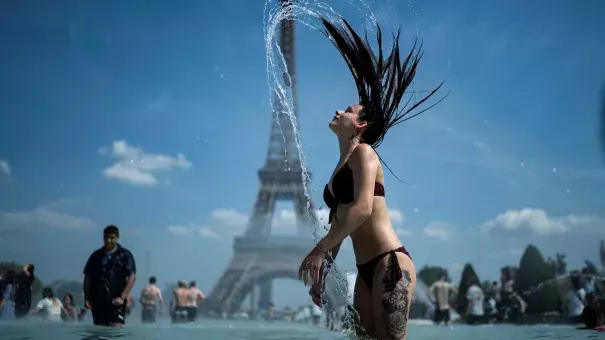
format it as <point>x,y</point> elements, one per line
<point>336,249</point>
<point>364,165</point>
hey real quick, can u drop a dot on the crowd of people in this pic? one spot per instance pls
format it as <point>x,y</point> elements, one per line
<point>109,275</point>
<point>584,302</point>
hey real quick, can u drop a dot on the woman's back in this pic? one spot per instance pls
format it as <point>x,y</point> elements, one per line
<point>51,307</point>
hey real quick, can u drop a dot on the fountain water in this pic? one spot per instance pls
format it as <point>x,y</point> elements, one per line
<point>305,12</point>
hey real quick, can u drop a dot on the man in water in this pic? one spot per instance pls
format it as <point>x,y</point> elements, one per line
<point>109,275</point>
<point>178,303</point>
<point>3,289</point>
<point>23,290</point>
<point>194,298</point>
<point>148,301</point>
<point>439,293</point>
<point>474,308</point>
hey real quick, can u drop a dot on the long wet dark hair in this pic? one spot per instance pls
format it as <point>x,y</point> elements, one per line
<point>381,82</point>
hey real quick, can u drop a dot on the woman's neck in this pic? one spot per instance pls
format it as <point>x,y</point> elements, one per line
<point>346,146</point>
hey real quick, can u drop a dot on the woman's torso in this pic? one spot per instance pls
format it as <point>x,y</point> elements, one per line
<point>375,235</point>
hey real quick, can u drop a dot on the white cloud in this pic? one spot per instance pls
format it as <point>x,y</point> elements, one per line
<point>537,221</point>
<point>202,231</point>
<point>5,167</point>
<point>136,167</point>
<point>161,103</point>
<point>230,217</point>
<point>46,218</point>
<point>396,216</point>
<point>285,219</point>
<point>440,230</point>
<point>403,232</point>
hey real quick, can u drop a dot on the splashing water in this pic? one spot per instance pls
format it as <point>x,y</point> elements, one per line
<point>307,13</point>
<point>560,281</point>
<point>279,81</point>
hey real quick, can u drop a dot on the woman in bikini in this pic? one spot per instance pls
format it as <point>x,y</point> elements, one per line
<point>356,194</point>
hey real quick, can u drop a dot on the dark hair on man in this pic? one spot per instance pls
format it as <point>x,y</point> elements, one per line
<point>111,230</point>
<point>152,280</point>
<point>381,82</point>
<point>191,284</point>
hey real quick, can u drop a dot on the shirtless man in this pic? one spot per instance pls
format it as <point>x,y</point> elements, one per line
<point>440,293</point>
<point>148,301</point>
<point>194,298</point>
<point>178,303</point>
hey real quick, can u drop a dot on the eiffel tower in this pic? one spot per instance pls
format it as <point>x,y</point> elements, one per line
<point>259,257</point>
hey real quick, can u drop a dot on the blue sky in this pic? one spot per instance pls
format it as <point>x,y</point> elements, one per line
<point>155,117</point>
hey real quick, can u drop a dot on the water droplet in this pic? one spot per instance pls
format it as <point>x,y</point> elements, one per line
<point>222,75</point>
<point>522,164</point>
<point>568,191</point>
<point>554,169</point>
<point>416,210</point>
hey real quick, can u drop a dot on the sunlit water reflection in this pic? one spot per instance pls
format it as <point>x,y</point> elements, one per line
<point>232,330</point>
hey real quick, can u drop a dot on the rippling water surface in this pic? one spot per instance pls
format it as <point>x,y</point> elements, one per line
<point>232,330</point>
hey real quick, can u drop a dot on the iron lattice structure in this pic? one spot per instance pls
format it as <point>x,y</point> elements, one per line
<point>258,257</point>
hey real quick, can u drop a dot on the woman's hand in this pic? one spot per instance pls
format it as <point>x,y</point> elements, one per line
<point>312,266</point>
<point>317,291</point>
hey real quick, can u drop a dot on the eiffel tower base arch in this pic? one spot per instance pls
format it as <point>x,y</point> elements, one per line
<point>257,262</point>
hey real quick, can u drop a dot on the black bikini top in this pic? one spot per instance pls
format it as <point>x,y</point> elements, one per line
<point>344,190</point>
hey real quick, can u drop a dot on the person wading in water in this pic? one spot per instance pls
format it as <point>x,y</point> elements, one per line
<point>194,298</point>
<point>109,275</point>
<point>178,304</point>
<point>356,191</point>
<point>148,298</point>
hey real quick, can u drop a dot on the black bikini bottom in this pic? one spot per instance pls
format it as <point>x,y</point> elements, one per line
<point>366,270</point>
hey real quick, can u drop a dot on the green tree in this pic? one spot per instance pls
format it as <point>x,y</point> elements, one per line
<point>430,274</point>
<point>535,282</point>
<point>11,265</point>
<point>468,273</point>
